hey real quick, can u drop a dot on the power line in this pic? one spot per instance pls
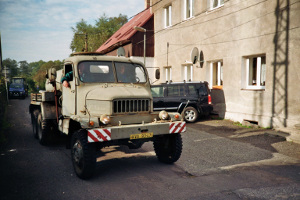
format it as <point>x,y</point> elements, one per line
<point>186,45</point>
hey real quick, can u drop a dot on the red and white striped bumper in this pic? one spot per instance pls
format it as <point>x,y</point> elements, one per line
<point>99,135</point>
<point>124,131</point>
<point>177,127</point>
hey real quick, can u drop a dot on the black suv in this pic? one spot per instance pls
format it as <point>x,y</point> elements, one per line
<point>191,99</point>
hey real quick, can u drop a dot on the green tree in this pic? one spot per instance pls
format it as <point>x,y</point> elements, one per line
<point>35,66</point>
<point>13,66</point>
<point>39,77</point>
<point>104,28</point>
<point>24,69</point>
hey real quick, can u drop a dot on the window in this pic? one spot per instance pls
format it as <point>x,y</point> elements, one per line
<point>254,72</point>
<point>175,90</point>
<point>130,73</point>
<point>188,9</point>
<point>95,71</point>
<point>216,75</point>
<point>192,90</point>
<point>157,91</point>
<point>187,72</point>
<point>168,74</point>
<point>212,4</point>
<point>168,16</point>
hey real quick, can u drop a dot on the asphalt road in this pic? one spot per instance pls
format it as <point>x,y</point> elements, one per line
<point>218,162</point>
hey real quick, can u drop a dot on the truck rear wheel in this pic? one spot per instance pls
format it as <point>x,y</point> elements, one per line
<point>168,148</point>
<point>43,129</point>
<point>34,117</point>
<point>83,155</point>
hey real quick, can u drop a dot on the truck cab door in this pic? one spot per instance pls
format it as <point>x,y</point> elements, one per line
<point>69,94</point>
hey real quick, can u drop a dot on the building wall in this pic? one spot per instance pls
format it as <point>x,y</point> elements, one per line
<point>231,34</point>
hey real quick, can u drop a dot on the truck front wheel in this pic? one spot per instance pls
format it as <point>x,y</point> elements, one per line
<point>168,148</point>
<point>83,155</point>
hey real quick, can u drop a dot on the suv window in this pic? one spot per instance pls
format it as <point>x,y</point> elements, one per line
<point>157,91</point>
<point>175,90</point>
<point>203,90</point>
<point>192,90</point>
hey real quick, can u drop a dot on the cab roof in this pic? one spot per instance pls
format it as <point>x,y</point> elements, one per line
<point>94,56</point>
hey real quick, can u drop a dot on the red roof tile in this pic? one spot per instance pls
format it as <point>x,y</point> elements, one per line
<point>127,30</point>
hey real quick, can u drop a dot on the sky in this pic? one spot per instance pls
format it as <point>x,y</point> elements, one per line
<point>34,30</point>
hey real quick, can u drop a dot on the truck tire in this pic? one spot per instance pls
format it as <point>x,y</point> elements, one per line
<point>43,129</point>
<point>190,114</point>
<point>83,155</point>
<point>34,117</point>
<point>168,148</point>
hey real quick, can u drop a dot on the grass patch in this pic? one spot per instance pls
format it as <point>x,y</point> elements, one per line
<point>241,125</point>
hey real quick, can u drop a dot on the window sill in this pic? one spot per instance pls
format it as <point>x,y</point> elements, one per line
<point>167,27</point>
<point>188,19</point>
<point>253,89</point>
<point>214,9</point>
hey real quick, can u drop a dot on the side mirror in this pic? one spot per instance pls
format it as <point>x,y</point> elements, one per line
<point>51,74</point>
<point>157,74</point>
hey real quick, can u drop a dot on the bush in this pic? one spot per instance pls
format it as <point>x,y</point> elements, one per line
<point>3,108</point>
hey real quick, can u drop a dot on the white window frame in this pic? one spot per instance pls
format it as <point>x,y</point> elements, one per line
<point>168,16</point>
<point>168,73</point>
<point>210,4</point>
<point>187,72</point>
<point>219,73</point>
<point>188,6</point>
<point>260,73</point>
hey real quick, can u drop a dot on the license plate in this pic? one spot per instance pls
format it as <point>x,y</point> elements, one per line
<point>141,136</point>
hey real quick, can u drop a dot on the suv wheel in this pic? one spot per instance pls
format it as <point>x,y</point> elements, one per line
<point>190,114</point>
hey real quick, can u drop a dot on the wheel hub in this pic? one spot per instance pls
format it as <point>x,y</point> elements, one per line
<point>189,115</point>
<point>77,152</point>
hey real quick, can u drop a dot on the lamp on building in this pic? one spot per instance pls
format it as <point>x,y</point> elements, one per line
<point>144,31</point>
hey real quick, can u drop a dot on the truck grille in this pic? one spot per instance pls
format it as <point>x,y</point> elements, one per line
<point>131,105</point>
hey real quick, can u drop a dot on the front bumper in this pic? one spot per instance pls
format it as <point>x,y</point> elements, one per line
<point>125,131</point>
<point>16,94</point>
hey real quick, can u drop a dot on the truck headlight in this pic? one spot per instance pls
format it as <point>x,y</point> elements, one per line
<point>163,115</point>
<point>105,119</point>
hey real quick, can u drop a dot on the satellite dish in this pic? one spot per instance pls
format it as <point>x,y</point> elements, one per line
<point>121,51</point>
<point>194,55</point>
<point>201,59</point>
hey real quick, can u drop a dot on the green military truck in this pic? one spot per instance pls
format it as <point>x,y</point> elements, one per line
<point>108,102</point>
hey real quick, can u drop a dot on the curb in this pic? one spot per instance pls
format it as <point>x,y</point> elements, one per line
<point>291,134</point>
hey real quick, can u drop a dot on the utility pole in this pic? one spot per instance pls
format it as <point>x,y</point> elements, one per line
<point>86,43</point>
<point>5,69</point>
<point>144,31</point>
<point>85,49</point>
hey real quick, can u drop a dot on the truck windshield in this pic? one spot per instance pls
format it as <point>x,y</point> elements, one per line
<point>130,73</point>
<point>16,86</point>
<point>103,72</point>
<point>18,80</point>
<point>96,72</point>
